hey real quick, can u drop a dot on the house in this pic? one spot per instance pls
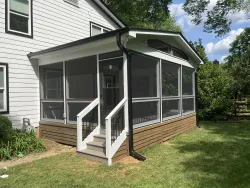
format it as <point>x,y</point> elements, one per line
<point>84,78</point>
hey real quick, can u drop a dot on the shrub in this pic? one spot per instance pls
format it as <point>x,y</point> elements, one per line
<point>13,142</point>
<point>215,93</point>
<point>5,127</point>
<point>20,142</point>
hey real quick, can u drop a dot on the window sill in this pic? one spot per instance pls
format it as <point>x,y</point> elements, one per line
<point>19,34</point>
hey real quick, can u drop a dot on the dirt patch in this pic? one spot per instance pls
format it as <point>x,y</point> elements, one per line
<point>168,144</point>
<point>53,149</point>
<point>128,160</point>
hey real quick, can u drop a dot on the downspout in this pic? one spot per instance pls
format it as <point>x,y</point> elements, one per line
<point>132,152</point>
<point>196,96</point>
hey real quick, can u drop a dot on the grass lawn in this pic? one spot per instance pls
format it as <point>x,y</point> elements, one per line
<point>217,155</point>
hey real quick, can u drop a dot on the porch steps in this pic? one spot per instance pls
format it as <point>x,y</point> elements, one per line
<point>96,150</point>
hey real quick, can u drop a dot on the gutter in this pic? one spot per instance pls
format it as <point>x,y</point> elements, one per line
<point>132,152</point>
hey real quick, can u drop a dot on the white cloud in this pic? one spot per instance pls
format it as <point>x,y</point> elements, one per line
<point>222,59</point>
<point>185,22</point>
<point>222,46</point>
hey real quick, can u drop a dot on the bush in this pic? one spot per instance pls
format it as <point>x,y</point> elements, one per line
<point>5,127</point>
<point>13,142</point>
<point>215,93</point>
<point>20,142</point>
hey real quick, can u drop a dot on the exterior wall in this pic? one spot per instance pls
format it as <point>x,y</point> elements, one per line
<point>154,134</point>
<point>61,133</point>
<point>54,23</point>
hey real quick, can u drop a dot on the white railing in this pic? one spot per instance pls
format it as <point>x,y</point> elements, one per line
<point>80,143</point>
<point>111,148</point>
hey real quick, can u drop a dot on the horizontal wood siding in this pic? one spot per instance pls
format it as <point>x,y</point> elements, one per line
<point>55,22</point>
<point>150,135</point>
<point>143,137</point>
<point>65,134</point>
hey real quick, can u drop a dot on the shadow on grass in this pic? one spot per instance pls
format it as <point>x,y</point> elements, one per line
<point>222,159</point>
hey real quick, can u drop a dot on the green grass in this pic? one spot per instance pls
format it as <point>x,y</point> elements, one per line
<point>217,155</point>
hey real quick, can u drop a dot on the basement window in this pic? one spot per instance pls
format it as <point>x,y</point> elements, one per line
<point>19,17</point>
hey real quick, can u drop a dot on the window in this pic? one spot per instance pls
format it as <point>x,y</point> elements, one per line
<point>19,17</point>
<point>81,85</point>
<point>145,90</point>
<point>96,29</point>
<point>188,93</point>
<point>4,106</point>
<point>159,45</point>
<point>52,97</point>
<point>73,2</point>
<point>167,48</point>
<point>171,95</point>
<point>179,53</point>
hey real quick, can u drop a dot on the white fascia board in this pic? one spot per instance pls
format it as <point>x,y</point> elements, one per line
<point>135,33</point>
<point>84,50</point>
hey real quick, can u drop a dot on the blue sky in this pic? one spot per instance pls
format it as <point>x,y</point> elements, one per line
<point>216,47</point>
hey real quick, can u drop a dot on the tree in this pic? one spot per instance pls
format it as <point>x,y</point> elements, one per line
<point>238,63</point>
<point>198,46</point>
<point>151,14</point>
<point>218,20</point>
<point>215,92</point>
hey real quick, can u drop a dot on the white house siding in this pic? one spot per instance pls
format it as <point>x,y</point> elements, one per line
<point>55,22</point>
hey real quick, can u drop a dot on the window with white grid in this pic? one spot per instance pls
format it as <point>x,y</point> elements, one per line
<point>19,17</point>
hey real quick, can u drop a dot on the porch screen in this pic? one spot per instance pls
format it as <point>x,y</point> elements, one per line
<point>188,90</point>
<point>51,79</point>
<point>145,90</point>
<point>171,94</point>
<point>81,85</point>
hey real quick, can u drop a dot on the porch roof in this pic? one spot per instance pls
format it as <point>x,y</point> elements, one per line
<point>132,32</point>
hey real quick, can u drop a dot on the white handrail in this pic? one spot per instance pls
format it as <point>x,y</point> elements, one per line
<point>116,109</point>
<point>109,152</point>
<point>81,115</point>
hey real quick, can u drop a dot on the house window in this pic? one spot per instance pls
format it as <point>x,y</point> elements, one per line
<point>4,88</point>
<point>188,94</point>
<point>145,90</point>
<point>73,2</point>
<point>167,48</point>
<point>52,94</point>
<point>96,29</point>
<point>19,17</point>
<point>171,95</point>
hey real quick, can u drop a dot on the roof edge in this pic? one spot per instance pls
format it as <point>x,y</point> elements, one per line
<point>109,13</point>
<point>78,42</point>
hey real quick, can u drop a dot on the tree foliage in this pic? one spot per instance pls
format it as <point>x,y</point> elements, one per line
<point>151,14</point>
<point>198,46</point>
<point>238,62</point>
<point>218,20</point>
<point>215,92</point>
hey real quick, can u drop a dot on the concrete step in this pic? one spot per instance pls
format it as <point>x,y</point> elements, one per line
<point>97,146</point>
<point>93,155</point>
<point>100,138</point>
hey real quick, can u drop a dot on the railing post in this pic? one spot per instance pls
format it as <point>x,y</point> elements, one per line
<point>108,141</point>
<point>79,134</point>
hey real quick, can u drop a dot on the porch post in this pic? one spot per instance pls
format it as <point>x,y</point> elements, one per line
<point>125,80</point>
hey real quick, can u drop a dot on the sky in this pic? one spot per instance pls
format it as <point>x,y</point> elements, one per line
<point>216,47</point>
